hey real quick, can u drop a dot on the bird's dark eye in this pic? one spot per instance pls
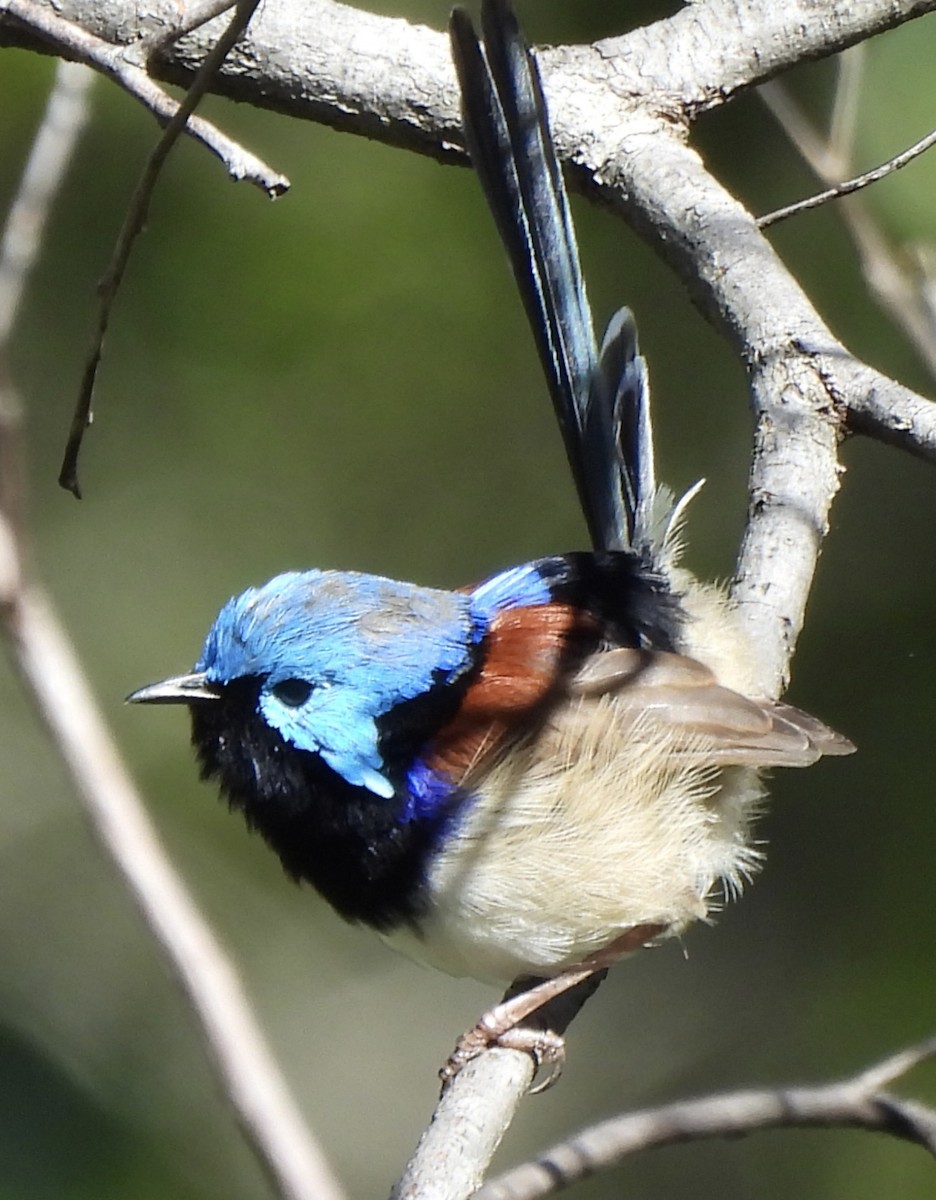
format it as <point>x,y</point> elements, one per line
<point>292,692</point>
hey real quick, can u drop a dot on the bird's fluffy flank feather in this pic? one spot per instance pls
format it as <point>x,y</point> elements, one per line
<point>627,831</point>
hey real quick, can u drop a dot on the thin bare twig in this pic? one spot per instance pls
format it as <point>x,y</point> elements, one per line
<point>134,221</point>
<point>897,291</point>
<point>876,406</point>
<point>116,62</point>
<point>900,288</point>
<point>854,1103</point>
<point>54,680</point>
<point>855,184</point>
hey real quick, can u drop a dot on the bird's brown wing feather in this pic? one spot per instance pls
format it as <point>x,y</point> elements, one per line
<point>718,724</point>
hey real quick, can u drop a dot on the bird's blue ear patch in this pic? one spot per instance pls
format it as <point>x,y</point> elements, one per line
<point>335,652</point>
<point>339,724</point>
<point>517,587</point>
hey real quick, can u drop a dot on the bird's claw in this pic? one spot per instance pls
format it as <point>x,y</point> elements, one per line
<point>546,1048</point>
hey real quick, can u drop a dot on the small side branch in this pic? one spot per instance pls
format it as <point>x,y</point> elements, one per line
<point>898,289</point>
<point>855,184</point>
<point>117,63</point>
<point>856,1103</point>
<point>882,408</point>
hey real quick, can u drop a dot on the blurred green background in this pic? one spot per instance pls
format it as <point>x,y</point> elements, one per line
<point>344,379</point>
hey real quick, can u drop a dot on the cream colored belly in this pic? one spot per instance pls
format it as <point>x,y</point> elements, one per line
<point>598,827</point>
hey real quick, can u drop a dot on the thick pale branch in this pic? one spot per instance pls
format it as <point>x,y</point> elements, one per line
<point>476,1109</point>
<point>53,679</point>
<point>252,1080</point>
<point>712,49</point>
<point>391,80</point>
<point>466,1128</point>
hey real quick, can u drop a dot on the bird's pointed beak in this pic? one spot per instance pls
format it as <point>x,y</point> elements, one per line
<point>180,689</point>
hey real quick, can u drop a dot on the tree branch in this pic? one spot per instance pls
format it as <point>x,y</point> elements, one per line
<point>115,60</point>
<point>896,289</point>
<point>882,408</point>
<point>54,680</point>
<point>393,81</point>
<point>855,1103</point>
<point>740,281</point>
<point>620,110</point>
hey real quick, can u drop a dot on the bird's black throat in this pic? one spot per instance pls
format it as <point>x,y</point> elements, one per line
<point>354,847</point>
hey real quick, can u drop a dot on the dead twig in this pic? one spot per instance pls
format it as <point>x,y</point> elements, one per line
<point>855,1103</point>
<point>118,64</point>
<point>133,224</point>
<point>898,288</point>
<point>848,186</point>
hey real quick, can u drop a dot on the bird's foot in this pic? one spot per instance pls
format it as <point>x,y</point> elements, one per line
<point>501,1025</point>
<point>545,1047</point>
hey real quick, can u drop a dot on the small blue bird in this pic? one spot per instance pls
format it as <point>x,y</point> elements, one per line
<point>536,775</point>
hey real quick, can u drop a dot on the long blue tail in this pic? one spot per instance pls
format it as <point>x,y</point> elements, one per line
<point>601,398</point>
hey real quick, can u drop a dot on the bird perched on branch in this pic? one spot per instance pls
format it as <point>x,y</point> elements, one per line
<point>535,775</point>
